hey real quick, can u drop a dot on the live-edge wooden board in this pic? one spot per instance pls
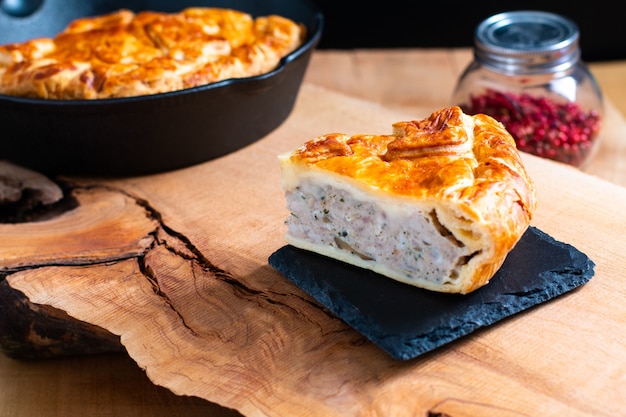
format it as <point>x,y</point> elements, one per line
<point>205,315</point>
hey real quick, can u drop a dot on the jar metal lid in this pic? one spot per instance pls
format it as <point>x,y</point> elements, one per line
<point>526,42</point>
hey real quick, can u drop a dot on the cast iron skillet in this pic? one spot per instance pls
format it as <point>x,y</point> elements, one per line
<point>147,134</point>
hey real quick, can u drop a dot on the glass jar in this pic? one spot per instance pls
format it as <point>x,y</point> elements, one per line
<point>527,73</point>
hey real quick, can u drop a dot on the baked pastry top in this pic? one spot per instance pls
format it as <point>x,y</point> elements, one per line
<point>438,204</point>
<point>124,54</point>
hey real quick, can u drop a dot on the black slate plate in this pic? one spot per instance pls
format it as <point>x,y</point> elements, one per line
<point>406,321</point>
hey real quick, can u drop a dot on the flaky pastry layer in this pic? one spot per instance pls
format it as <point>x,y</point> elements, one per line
<point>124,54</point>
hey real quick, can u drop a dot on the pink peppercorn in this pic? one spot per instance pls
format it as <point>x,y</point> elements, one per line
<point>558,130</point>
<point>527,74</point>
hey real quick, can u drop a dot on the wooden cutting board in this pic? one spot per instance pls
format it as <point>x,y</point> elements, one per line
<point>176,265</point>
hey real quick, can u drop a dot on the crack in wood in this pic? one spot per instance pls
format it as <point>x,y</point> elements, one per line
<point>164,236</point>
<point>205,263</point>
<point>6,271</point>
<point>196,256</point>
<point>468,407</point>
<point>69,202</point>
<point>154,214</point>
<point>150,275</point>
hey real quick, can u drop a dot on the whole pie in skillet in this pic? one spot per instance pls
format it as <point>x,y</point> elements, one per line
<point>437,204</point>
<point>124,54</point>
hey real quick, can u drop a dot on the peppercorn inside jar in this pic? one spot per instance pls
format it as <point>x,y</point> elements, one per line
<point>527,73</point>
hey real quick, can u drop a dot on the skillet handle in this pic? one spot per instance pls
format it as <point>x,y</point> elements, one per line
<point>20,8</point>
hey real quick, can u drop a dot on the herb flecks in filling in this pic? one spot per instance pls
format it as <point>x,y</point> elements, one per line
<point>412,241</point>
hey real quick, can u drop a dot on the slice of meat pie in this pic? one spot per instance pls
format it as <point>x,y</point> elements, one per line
<point>437,204</point>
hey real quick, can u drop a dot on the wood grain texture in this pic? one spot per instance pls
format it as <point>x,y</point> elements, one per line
<point>204,315</point>
<point>186,287</point>
<point>96,385</point>
<point>106,226</point>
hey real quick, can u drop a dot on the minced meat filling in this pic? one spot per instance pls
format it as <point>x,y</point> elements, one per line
<point>413,242</point>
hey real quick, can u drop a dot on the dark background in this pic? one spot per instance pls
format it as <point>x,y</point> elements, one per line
<point>441,23</point>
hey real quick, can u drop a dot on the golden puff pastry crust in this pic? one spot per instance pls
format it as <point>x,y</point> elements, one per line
<point>125,54</point>
<point>437,204</point>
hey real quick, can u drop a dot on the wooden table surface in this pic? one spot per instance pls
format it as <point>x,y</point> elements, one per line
<point>112,385</point>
